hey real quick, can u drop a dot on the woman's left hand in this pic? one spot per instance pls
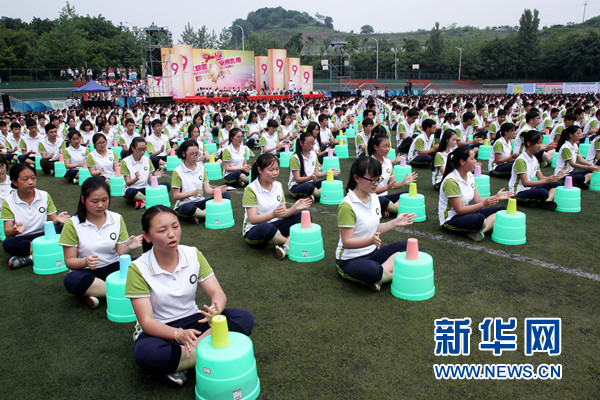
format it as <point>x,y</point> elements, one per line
<point>133,242</point>
<point>503,195</point>
<point>62,217</point>
<point>210,312</point>
<point>405,219</point>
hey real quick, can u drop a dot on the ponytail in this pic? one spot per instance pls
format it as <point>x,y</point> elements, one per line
<point>460,153</point>
<point>262,162</point>
<point>298,151</point>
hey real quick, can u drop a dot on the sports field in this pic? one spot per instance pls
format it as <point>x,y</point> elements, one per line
<point>317,336</point>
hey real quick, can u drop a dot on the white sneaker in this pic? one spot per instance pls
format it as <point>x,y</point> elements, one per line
<point>281,251</point>
<point>178,377</point>
<point>476,236</point>
<point>92,301</point>
<point>376,287</point>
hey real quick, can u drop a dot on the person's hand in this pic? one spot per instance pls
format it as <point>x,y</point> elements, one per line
<point>247,168</point>
<point>159,173</point>
<point>435,146</point>
<point>92,261</point>
<point>188,338</point>
<point>551,146</point>
<point>376,239</point>
<point>336,172</point>
<point>162,148</point>
<point>404,219</point>
<point>209,313</point>
<point>62,217</point>
<point>478,140</point>
<point>133,242</point>
<point>551,179</point>
<point>303,204</point>
<point>409,178</point>
<point>490,201</point>
<point>504,195</point>
<point>313,177</point>
<point>137,175</point>
<point>101,171</point>
<point>280,211</point>
<point>593,168</point>
<point>19,227</point>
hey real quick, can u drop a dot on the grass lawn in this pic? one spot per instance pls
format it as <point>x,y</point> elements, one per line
<point>318,336</point>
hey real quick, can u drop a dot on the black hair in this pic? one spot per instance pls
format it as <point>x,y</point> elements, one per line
<point>531,115</point>
<point>3,160</point>
<point>375,140</point>
<point>362,166</point>
<point>48,127</point>
<point>566,133</point>
<point>467,116</point>
<point>531,136</point>
<point>272,123</point>
<point>449,116</point>
<point>428,123</point>
<point>367,121</point>
<point>186,145</point>
<point>147,219</point>
<point>570,117</point>
<point>298,151</point>
<point>16,170</point>
<point>262,162</point>
<point>72,132</point>
<point>85,123</point>
<point>14,125</point>
<point>460,153</point>
<point>251,116</point>
<point>155,122</point>
<point>233,132</point>
<point>129,121</point>
<point>134,142</point>
<point>225,120</point>
<point>102,124</point>
<point>311,127</point>
<point>505,128</point>
<point>443,146</point>
<point>190,129</point>
<point>413,112</point>
<point>170,118</point>
<point>98,136</point>
<point>501,112</point>
<point>90,185</point>
<point>379,129</point>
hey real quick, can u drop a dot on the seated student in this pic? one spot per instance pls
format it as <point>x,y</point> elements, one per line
<point>234,159</point>
<point>327,140</point>
<point>24,212</point>
<point>480,124</point>
<point>532,119</point>
<point>494,127</point>
<point>104,128</point>
<point>446,146</point>
<point>87,132</point>
<point>162,286</point>
<point>171,130</point>
<point>253,130</point>
<point>30,143</point>
<point>137,171</point>
<point>223,135</point>
<point>193,133</point>
<point>269,141</point>
<point>305,169</point>
<point>538,193</point>
<point>501,162</point>
<point>13,141</point>
<point>593,155</point>
<point>378,148</point>
<point>75,156</point>
<point>190,183</point>
<point>360,256</point>
<point>362,137</point>
<point>92,240</point>
<point>569,158</point>
<point>465,129</point>
<point>267,220</point>
<point>50,148</point>
<point>423,147</point>
<point>287,130</point>
<point>449,122</point>
<point>458,189</point>
<point>158,145</point>
<point>126,137</point>
<point>406,129</point>
<point>101,161</point>
<point>5,186</point>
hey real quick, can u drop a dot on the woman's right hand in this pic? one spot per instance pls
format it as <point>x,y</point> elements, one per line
<point>490,201</point>
<point>19,227</point>
<point>92,261</point>
<point>188,338</point>
<point>376,239</point>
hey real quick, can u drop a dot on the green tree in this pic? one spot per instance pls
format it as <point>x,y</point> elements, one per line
<point>434,49</point>
<point>528,41</point>
<point>294,45</point>
<point>366,30</point>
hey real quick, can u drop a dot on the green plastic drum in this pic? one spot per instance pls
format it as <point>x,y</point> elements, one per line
<point>331,162</point>
<point>173,162</point>
<point>157,195</point>
<point>584,149</point>
<point>211,147</point>
<point>219,215</point>
<point>48,256</point>
<point>117,186</point>
<point>391,155</point>
<point>332,192</point>
<point>228,373</point>
<point>401,171</point>
<point>38,166</point>
<point>284,159</point>
<point>214,171</point>
<point>509,229</point>
<point>545,139</point>
<point>414,204</point>
<point>342,150</point>
<point>568,200</point>
<point>59,169</point>
<point>595,182</point>
<point>84,173</point>
<point>351,133</point>
<point>484,152</point>
<point>306,244</point>
<point>554,159</point>
<point>483,185</point>
<point>413,279</point>
<point>2,234</point>
<point>118,307</point>
<point>117,151</point>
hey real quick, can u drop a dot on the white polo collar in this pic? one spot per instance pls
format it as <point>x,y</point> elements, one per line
<point>37,196</point>
<point>155,268</point>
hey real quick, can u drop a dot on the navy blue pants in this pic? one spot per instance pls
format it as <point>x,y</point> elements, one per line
<point>367,269</point>
<point>71,174</point>
<point>20,245</point>
<point>305,189</point>
<point>161,356</point>
<point>385,201</point>
<point>78,281</point>
<point>188,209</point>
<point>502,171</point>
<point>471,222</point>
<point>22,158</point>
<point>421,161</point>
<point>260,235</point>
<point>131,192</point>
<point>404,146</point>
<point>156,159</point>
<point>578,176</point>
<point>536,194</point>
<point>234,176</point>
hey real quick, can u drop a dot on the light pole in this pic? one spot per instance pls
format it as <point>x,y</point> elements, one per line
<point>242,35</point>
<point>459,60</point>
<point>377,60</point>
<point>395,50</point>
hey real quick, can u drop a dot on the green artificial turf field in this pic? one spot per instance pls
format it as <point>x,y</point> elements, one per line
<point>317,336</point>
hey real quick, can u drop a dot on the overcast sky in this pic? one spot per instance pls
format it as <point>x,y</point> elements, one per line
<point>383,15</point>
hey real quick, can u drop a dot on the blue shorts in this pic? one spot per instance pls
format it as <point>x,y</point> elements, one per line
<point>367,269</point>
<point>471,222</point>
<point>305,189</point>
<point>258,236</point>
<point>161,356</point>
<point>188,209</point>
<point>78,281</point>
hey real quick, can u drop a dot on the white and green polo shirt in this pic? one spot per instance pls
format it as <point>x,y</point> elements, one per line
<point>524,164</point>
<point>46,147</point>
<point>33,216</point>
<point>75,156</point>
<point>90,240</point>
<point>421,143</point>
<point>262,199</point>
<point>106,161</point>
<point>129,167</point>
<point>438,161</point>
<point>454,185</point>
<point>126,139</point>
<point>28,143</point>
<point>592,123</point>
<point>187,179</point>
<point>387,171</point>
<point>235,157</point>
<point>173,295</point>
<point>567,152</point>
<point>594,149</point>
<point>363,218</point>
<point>463,133</point>
<point>268,141</point>
<point>5,189</point>
<point>154,143</point>
<point>311,163</point>
<point>501,146</point>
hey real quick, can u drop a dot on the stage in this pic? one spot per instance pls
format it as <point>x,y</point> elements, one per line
<point>207,100</point>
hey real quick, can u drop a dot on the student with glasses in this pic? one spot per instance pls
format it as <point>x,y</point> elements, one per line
<point>360,256</point>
